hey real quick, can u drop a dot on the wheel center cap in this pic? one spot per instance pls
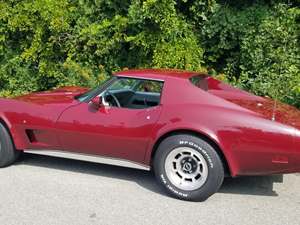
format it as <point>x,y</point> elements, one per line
<point>187,167</point>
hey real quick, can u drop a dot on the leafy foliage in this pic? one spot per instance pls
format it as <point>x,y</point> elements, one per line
<point>257,47</point>
<point>49,43</point>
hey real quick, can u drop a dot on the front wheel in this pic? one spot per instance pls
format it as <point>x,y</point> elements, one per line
<point>188,167</point>
<point>8,154</point>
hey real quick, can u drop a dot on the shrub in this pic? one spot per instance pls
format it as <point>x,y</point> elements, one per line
<point>257,47</point>
<point>49,43</point>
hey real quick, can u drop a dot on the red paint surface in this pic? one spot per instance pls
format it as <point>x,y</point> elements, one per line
<point>239,123</point>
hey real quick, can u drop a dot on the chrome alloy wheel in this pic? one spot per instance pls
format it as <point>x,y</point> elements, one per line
<point>186,168</point>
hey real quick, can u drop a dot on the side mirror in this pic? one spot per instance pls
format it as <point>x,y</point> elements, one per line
<point>97,101</point>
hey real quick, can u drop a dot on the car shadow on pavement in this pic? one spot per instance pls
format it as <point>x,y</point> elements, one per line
<point>252,185</point>
<point>256,185</point>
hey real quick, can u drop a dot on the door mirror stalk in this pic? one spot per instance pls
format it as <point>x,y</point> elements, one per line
<point>97,101</point>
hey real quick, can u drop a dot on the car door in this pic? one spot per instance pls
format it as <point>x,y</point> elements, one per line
<point>107,131</point>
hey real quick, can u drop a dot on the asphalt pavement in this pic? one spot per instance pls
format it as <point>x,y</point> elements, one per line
<point>42,190</point>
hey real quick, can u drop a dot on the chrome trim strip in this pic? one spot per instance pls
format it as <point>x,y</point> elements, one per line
<point>139,77</point>
<point>89,158</point>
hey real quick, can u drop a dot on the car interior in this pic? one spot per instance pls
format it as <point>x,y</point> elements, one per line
<point>134,93</point>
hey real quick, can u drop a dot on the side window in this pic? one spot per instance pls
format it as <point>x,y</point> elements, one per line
<point>150,86</point>
<point>123,84</point>
<point>134,93</point>
<point>200,82</point>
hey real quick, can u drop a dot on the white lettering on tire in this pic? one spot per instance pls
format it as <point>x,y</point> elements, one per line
<point>171,188</point>
<point>192,144</point>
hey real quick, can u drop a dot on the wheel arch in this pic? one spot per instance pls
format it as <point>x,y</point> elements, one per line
<point>5,124</point>
<point>198,134</point>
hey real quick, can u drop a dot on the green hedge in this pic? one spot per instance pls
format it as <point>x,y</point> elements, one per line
<point>50,43</point>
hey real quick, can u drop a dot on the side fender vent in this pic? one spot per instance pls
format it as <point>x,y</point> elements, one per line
<point>31,136</point>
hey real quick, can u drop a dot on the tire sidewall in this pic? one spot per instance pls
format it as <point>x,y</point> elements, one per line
<point>3,144</point>
<point>8,154</point>
<point>214,164</point>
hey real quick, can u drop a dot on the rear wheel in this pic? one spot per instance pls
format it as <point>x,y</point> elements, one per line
<point>188,167</point>
<point>8,154</point>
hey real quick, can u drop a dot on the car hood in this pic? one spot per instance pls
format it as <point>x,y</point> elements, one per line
<point>56,96</point>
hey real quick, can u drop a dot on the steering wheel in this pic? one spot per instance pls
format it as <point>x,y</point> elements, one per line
<point>116,101</point>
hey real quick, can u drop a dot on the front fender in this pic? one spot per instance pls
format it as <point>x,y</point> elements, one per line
<point>20,117</point>
<point>17,138</point>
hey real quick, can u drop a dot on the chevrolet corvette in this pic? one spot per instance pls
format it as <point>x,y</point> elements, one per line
<point>190,129</point>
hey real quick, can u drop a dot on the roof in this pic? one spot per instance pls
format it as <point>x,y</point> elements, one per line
<point>156,73</point>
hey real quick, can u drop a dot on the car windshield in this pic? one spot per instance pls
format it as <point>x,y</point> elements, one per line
<point>94,91</point>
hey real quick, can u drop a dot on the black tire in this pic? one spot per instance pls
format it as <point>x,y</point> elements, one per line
<point>8,153</point>
<point>214,167</point>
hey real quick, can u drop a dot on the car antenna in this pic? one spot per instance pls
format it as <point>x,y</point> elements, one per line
<point>275,98</point>
<point>274,109</point>
<point>278,80</point>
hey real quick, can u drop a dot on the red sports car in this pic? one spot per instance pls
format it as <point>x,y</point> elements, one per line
<point>189,128</point>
